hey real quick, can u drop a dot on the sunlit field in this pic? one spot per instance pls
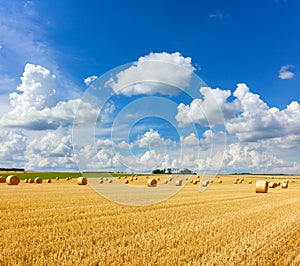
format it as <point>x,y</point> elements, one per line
<point>61,223</point>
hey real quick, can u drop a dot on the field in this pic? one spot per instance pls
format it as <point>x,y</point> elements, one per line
<point>229,224</point>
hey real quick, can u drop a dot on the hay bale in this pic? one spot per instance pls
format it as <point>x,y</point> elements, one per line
<point>195,182</point>
<point>49,181</point>
<point>38,180</point>
<point>2,179</point>
<point>151,182</point>
<point>119,177</point>
<point>82,180</point>
<point>235,181</point>
<point>272,185</point>
<point>131,179</point>
<point>205,183</point>
<point>178,182</point>
<point>166,181</point>
<point>191,181</point>
<point>26,180</point>
<point>57,178</point>
<point>126,181</point>
<point>285,184</point>
<point>250,182</point>
<point>261,186</point>
<point>101,181</point>
<point>12,180</point>
<point>30,180</point>
<point>68,178</point>
<point>242,178</point>
<point>220,181</point>
<point>110,180</point>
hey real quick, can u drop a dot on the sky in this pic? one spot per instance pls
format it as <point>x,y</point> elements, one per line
<point>212,86</point>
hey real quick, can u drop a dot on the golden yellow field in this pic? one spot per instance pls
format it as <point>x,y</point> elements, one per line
<point>229,224</point>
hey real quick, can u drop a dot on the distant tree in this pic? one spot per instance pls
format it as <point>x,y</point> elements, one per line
<point>169,171</point>
<point>186,171</point>
<point>158,171</point>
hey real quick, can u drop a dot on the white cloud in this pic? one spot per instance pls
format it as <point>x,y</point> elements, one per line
<point>285,73</point>
<point>50,150</point>
<point>216,15</point>
<point>258,121</point>
<point>12,148</point>
<point>212,110</point>
<point>90,79</point>
<point>36,106</point>
<point>256,158</point>
<point>154,73</point>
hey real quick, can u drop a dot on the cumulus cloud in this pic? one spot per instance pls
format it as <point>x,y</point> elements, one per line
<point>257,158</point>
<point>247,116</point>
<point>35,106</point>
<point>258,121</point>
<point>50,150</point>
<point>12,148</point>
<point>154,73</point>
<point>212,110</point>
<point>285,73</point>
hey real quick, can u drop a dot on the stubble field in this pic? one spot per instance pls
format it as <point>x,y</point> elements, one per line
<point>62,223</point>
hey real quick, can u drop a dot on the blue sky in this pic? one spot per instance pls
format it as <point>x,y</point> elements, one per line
<point>56,45</point>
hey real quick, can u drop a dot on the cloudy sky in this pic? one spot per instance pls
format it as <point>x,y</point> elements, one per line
<point>212,86</point>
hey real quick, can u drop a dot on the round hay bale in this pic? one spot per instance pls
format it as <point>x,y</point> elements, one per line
<point>158,178</point>
<point>195,182</point>
<point>49,181</point>
<point>240,181</point>
<point>110,180</point>
<point>242,178</point>
<point>166,181</point>
<point>220,181</point>
<point>57,178</point>
<point>278,183</point>
<point>272,185</point>
<point>151,182</point>
<point>178,182</point>
<point>68,178</point>
<point>250,182</point>
<point>38,180</point>
<point>217,177</point>
<point>26,180</point>
<point>235,182</point>
<point>126,181</point>
<point>131,179</point>
<point>82,180</point>
<point>119,177</point>
<point>2,179</point>
<point>284,184</point>
<point>205,183</point>
<point>261,186</point>
<point>12,180</point>
<point>30,180</point>
<point>136,178</point>
<point>191,181</point>
<point>100,181</point>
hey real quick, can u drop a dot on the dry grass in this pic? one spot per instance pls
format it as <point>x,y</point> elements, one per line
<point>67,224</point>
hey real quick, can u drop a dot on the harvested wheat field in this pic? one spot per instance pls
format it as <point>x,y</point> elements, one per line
<point>61,223</point>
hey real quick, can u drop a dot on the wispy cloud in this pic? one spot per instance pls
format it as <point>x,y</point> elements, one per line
<point>285,73</point>
<point>216,15</point>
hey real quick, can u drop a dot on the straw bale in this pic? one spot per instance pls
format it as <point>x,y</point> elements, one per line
<point>82,180</point>
<point>12,180</point>
<point>38,180</point>
<point>151,182</point>
<point>261,186</point>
